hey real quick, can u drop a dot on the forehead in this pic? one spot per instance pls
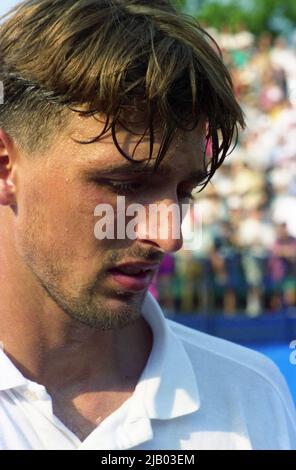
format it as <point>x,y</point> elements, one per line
<point>186,148</point>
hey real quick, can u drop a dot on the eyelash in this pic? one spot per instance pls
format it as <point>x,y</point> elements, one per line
<point>129,188</point>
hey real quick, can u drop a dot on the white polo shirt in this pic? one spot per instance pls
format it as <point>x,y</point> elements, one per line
<point>196,392</point>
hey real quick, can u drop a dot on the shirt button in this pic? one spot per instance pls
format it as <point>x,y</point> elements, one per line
<point>32,396</point>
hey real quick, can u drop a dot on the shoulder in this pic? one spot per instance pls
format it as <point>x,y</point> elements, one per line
<point>240,388</point>
<point>232,366</point>
<point>197,342</point>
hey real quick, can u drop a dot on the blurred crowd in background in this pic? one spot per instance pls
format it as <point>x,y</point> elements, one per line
<point>246,263</point>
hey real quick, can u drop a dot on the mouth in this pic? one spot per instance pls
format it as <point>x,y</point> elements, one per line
<point>134,277</point>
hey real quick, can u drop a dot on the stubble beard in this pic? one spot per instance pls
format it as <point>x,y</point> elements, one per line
<point>93,309</point>
<point>89,304</point>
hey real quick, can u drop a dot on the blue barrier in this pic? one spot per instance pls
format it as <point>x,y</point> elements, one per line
<point>263,329</point>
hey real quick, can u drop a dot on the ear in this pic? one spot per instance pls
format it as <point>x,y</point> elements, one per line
<point>7,157</point>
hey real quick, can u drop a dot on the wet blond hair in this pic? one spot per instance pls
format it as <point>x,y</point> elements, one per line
<point>117,58</point>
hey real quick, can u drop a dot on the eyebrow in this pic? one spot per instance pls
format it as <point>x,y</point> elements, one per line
<point>129,169</point>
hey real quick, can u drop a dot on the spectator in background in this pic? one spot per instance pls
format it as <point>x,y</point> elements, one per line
<point>282,267</point>
<point>164,285</point>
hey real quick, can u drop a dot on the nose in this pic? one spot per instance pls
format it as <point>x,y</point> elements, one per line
<point>160,225</point>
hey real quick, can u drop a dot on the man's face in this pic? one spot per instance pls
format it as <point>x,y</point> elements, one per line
<point>97,281</point>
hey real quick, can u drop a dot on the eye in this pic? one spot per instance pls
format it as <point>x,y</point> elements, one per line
<point>128,187</point>
<point>183,195</point>
<point>187,193</point>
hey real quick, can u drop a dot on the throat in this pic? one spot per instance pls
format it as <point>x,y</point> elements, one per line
<point>82,414</point>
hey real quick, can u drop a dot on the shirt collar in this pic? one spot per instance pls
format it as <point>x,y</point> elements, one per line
<point>166,389</point>
<point>168,384</point>
<point>10,376</point>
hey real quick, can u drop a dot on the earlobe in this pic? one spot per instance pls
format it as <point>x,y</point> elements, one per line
<point>7,187</point>
<point>7,193</point>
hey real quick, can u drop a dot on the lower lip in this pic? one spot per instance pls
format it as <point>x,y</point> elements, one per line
<point>137,282</point>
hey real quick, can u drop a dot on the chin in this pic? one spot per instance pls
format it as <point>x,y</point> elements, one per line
<point>124,303</point>
<point>113,312</point>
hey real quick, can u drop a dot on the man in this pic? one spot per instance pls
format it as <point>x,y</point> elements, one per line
<point>105,99</point>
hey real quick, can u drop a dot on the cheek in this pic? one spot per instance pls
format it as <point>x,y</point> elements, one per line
<point>44,211</point>
<point>45,198</point>
<point>58,214</point>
